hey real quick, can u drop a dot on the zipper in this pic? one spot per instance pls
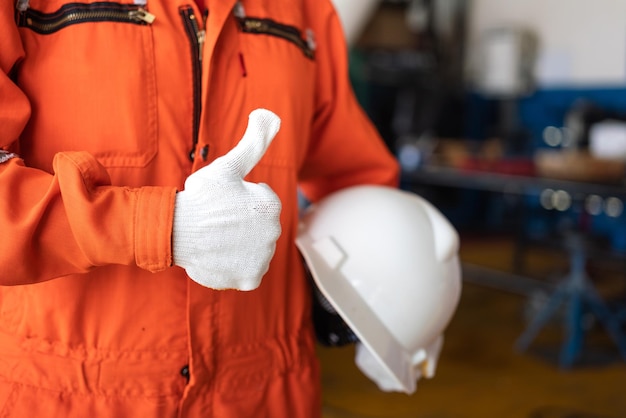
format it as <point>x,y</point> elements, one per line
<point>273,28</point>
<point>196,36</point>
<point>74,13</point>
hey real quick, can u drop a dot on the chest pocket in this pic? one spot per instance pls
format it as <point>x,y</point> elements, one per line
<point>305,42</point>
<point>280,64</point>
<point>89,74</point>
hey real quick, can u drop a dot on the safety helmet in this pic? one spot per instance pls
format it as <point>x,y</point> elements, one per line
<point>387,262</point>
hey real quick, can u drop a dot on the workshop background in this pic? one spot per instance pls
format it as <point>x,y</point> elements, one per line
<point>510,117</point>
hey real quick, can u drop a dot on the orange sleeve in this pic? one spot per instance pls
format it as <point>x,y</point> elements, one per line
<point>345,148</point>
<point>74,220</point>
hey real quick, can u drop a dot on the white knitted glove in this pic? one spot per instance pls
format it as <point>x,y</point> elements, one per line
<point>225,229</point>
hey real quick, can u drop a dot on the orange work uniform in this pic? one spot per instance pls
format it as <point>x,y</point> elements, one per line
<point>105,109</point>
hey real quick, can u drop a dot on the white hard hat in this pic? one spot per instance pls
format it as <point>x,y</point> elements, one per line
<point>387,262</point>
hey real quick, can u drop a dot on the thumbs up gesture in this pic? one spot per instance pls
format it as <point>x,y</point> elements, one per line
<point>225,229</point>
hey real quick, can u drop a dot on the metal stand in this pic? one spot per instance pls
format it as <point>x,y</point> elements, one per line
<point>576,292</point>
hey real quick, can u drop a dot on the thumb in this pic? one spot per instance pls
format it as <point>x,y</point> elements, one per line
<point>262,127</point>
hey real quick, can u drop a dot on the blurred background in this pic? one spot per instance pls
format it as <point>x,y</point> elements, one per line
<point>510,117</point>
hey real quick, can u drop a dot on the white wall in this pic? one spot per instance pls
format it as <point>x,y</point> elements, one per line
<point>581,42</point>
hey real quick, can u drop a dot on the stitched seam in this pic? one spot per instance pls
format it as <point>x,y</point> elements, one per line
<point>111,394</point>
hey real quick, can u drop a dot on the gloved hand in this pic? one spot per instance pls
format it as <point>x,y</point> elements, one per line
<point>225,229</point>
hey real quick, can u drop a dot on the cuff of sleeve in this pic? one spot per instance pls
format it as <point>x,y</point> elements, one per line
<point>154,215</point>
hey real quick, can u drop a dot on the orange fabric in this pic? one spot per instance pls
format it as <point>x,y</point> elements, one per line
<point>94,321</point>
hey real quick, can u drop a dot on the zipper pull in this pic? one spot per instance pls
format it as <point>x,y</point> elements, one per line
<point>142,15</point>
<point>22,5</point>
<point>310,39</point>
<point>239,11</point>
<point>201,34</point>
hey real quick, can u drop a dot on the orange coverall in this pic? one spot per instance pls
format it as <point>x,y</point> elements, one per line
<point>105,109</point>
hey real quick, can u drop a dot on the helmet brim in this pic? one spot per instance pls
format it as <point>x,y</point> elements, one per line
<point>324,259</point>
